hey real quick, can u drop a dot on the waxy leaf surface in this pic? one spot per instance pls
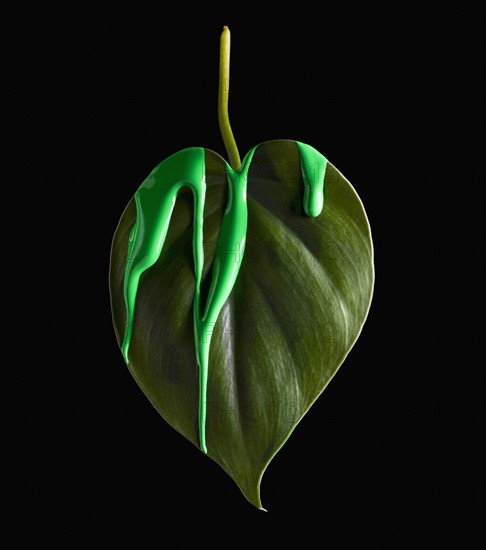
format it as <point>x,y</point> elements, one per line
<point>298,305</point>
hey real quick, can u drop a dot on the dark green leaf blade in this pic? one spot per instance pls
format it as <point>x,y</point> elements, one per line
<point>299,303</point>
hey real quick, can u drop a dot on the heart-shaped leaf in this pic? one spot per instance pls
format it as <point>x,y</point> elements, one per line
<point>298,305</point>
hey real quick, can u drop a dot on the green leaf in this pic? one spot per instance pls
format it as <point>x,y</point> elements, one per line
<point>298,306</point>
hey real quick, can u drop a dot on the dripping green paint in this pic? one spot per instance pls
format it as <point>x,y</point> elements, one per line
<point>155,200</point>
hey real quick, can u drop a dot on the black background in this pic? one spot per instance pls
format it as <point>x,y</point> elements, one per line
<point>92,100</point>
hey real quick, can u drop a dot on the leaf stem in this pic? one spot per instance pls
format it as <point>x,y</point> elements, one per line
<point>223,117</point>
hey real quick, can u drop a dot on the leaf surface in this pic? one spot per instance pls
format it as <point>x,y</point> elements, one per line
<point>298,306</point>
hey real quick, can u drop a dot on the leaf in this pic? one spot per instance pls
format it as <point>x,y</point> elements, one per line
<point>298,306</point>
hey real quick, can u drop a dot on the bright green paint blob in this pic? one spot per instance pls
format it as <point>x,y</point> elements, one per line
<point>227,262</point>
<point>313,166</point>
<point>155,200</point>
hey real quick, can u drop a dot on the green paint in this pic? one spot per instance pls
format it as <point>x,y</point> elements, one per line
<point>155,200</point>
<point>227,262</point>
<point>313,166</point>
